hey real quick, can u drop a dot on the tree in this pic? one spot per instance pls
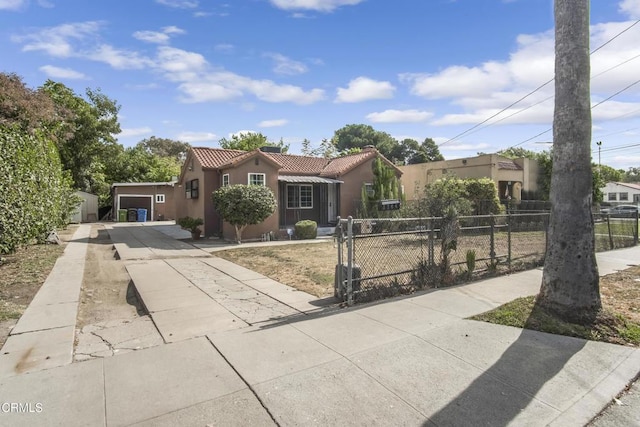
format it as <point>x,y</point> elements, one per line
<point>359,135</point>
<point>30,110</point>
<point>385,186</point>
<point>165,147</point>
<point>483,195</point>
<point>445,193</point>
<point>83,137</point>
<point>326,149</point>
<point>610,174</point>
<point>570,280</point>
<point>249,141</point>
<point>242,205</point>
<point>517,153</point>
<point>632,175</point>
<point>427,152</point>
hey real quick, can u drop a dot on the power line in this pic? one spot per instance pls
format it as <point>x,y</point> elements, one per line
<point>536,90</point>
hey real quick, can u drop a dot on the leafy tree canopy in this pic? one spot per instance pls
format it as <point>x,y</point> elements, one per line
<point>242,205</point>
<point>249,141</point>
<point>165,147</point>
<point>426,152</point>
<point>360,135</point>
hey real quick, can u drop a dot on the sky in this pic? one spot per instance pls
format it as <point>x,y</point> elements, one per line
<point>202,70</point>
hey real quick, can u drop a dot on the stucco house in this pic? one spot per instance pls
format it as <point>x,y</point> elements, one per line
<point>311,188</point>
<point>156,197</point>
<point>621,193</point>
<point>514,178</point>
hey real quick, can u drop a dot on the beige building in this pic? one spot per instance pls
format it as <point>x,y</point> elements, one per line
<point>513,177</point>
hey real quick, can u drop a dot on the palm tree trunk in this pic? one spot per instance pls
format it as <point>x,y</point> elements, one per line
<point>570,285</point>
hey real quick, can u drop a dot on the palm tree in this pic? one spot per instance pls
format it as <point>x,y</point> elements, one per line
<point>570,281</point>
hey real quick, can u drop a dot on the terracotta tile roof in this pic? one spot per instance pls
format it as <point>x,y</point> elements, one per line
<point>212,158</point>
<point>629,184</point>
<point>248,155</point>
<point>299,165</point>
<point>508,165</point>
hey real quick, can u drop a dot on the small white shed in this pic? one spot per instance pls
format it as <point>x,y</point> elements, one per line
<point>87,209</point>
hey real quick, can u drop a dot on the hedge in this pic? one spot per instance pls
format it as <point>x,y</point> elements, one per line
<point>35,195</point>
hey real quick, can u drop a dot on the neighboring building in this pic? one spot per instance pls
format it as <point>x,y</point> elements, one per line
<point>621,193</point>
<point>311,188</point>
<point>156,197</point>
<point>513,177</point>
<point>87,209</point>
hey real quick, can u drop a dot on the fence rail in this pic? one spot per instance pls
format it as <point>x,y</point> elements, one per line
<point>378,258</point>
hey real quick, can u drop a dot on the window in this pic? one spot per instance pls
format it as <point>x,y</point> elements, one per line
<point>191,189</point>
<point>225,180</point>
<point>299,196</point>
<point>612,196</point>
<point>256,179</point>
<point>159,198</point>
<point>368,188</point>
<point>624,196</point>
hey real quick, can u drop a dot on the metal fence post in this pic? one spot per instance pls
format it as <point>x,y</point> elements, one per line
<point>509,239</point>
<point>492,248</point>
<point>431,225</point>
<point>339,271</point>
<point>350,261</point>
<point>635,230</point>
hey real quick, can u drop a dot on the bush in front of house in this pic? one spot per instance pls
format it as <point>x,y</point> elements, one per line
<point>242,205</point>
<point>35,194</point>
<point>306,229</point>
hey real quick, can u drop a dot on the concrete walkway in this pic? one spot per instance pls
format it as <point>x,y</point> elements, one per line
<point>403,361</point>
<point>43,337</point>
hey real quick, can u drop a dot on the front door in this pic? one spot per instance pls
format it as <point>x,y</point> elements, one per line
<point>332,203</point>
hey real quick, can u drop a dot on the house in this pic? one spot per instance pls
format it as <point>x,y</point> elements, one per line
<point>514,178</point>
<point>87,210</point>
<point>621,192</point>
<point>312,188</point>
<point>156,197</point>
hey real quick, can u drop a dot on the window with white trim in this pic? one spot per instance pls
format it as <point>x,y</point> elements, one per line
<point>257,179</point>
<point>613,196</point>
<point>225,180</point>
<point>624,196</point>
<point>299,196</point>
<point>159,198</point>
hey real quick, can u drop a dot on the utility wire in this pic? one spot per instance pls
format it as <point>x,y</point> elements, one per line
<point>534,91</point>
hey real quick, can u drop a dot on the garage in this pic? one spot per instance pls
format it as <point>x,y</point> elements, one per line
<point>127,201</point>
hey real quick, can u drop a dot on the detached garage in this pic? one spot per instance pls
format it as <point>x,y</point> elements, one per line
<point>155,197</point>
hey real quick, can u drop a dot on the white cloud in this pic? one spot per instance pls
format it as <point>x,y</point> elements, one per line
<point>46,4</point>
<point>197,137</point>
<point>317,5</point>
<point>464,147</point>
<point>119,59</point>
<point>272,123</point>
<point>285,65</point>
<point>159,37</point>
<point>130,132</point>
<point>179,4</point>
<point>630,8</point>
<point>56,41</point>
<point>400,116</point>
<point>365,89</point>
<point>224,47</point>
<point>200,83</point>
<point>12,4</point>
<point>62,73</point>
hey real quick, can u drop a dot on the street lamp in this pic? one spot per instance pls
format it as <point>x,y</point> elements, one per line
<point>599,144</point>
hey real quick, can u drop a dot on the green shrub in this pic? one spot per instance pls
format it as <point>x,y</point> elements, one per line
<point>243,205</point>
<point>306,229</point>
<point>191,224</point>
<point>35,195</point>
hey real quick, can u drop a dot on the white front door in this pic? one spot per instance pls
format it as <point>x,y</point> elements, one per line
<point>332,202</point>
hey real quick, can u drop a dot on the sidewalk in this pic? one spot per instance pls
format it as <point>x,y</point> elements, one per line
<point>412,360</point>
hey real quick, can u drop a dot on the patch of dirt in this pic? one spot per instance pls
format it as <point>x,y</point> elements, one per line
<point>106,290</point>
<point>22,274</point>
<point>621,292</point>
<point>111,320</point>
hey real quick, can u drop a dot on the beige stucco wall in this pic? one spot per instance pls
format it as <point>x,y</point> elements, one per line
<point>192,207</point>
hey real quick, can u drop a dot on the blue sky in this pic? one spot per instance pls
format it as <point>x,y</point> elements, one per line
<point>201,70</point>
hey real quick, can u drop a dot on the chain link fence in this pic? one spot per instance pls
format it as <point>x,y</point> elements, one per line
<point>383,257</point>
